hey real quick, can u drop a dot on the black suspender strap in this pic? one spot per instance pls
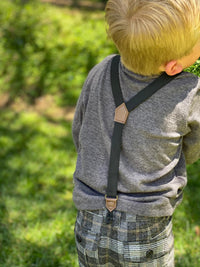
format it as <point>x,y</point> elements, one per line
<point>115,83</point>
<point>121,114</point>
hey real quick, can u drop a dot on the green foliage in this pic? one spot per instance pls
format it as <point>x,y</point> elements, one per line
<point>43,51</point>
<point>195,68</point>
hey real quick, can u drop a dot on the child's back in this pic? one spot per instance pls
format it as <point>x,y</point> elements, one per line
<point>159,138</point>
<point>155,142</point>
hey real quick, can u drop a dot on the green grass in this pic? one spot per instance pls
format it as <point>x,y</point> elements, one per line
<point>187,217</point>
<point>37,155</point>
<point>37,160</point>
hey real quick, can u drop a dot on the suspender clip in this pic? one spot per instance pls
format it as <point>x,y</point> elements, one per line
<point>111,203</point>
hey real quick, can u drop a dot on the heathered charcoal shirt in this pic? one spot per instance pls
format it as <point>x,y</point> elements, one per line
<point>159,138</point>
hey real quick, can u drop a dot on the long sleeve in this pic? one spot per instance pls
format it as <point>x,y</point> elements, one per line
<point>77,122</point>
<point>81,105</point>
<point>80,111</point>
<point>191,141</point>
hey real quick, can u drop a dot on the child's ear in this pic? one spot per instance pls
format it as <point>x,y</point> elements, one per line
<point>173,67</point>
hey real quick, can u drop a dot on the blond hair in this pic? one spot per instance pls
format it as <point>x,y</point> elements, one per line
<point>149,33</point>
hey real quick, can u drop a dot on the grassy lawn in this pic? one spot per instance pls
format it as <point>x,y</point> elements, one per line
<point>187,222</point>
<point>36,209</point>
<point>37,158</point>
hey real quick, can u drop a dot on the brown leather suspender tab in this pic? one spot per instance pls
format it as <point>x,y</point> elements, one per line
<point>111,203</point>
<point>121,114</point>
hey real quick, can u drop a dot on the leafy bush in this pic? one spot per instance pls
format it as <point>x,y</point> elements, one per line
<point>195,68</point>
<point>45,51</point>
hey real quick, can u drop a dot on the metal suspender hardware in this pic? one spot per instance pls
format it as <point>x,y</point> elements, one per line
<point>121,115</point>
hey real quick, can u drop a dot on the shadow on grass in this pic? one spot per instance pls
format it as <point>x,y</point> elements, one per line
<point>80,4</point>
<point>26,254</point>
<point>192,193</point>
<point>36,161</point>
<point>187,260</point>
<point>6,238</point>
<point>187,221</point>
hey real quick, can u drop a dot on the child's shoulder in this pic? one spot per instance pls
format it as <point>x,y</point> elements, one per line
<point>102,66</point>
<point>188,77</point>
<point>97,76</point>
<point>189,81</point>
<point>105,62</point>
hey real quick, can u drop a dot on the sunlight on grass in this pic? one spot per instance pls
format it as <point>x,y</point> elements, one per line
<point>186,219</point>
<point>36,191</point>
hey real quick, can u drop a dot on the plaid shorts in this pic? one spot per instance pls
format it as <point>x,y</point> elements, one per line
<point>124,240</point>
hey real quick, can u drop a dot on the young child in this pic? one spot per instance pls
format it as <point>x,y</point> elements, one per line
<point>160,136</point>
